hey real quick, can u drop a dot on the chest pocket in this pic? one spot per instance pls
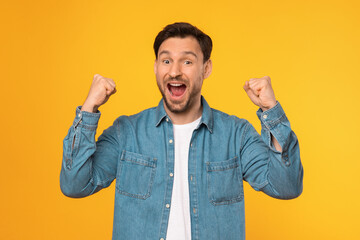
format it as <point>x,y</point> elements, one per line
<point>224,179</point>
<point>135,175</point>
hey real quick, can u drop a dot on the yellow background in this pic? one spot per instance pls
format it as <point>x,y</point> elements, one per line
<point>49,51</point>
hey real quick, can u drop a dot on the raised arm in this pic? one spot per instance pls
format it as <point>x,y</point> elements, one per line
<point>87,165</point>
<point>262,94</point>
<point>271,163</point>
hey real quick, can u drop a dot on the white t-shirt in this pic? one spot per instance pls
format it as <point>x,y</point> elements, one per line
<point>179,227</point>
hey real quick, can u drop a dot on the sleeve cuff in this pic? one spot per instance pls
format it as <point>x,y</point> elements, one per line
<point>272,117</point>
<point>86,118</point>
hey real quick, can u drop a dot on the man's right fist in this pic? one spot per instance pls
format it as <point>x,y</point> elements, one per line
<point>100,91</point>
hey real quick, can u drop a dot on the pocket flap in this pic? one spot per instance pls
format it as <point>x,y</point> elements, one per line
<point>138,159</point>
<point>222,166</point>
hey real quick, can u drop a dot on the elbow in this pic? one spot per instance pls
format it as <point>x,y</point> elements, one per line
<point>67,192</point>
<point>290,188</point>
<point>72,192</point>
<point>69,188</point>
<point>294,192</point>
<point>295,189</point>
<point>289,193</point>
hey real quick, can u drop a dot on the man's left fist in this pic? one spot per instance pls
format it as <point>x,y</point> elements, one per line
<point>260,92</point>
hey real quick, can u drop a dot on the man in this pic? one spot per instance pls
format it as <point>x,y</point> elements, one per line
<point>180,166</point>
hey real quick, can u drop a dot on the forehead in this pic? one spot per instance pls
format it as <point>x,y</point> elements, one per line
<point>177,45</point>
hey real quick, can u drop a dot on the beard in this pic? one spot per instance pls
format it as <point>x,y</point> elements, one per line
<point>178,106</point>
<point>174,107</point>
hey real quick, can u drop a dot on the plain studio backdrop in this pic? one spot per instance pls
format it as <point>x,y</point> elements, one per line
<point>50,51</point>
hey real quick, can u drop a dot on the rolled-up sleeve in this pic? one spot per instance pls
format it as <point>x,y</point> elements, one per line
<point>88,165</point>
<point>278,174</point>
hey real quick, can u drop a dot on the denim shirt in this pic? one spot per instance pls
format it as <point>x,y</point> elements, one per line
<point>138,151</point>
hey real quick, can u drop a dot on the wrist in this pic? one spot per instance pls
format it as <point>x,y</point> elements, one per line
<point>270,106</point>
<point>89,108</point>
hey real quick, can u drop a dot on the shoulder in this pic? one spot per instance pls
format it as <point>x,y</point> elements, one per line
<point>224,118</point>
<point>229,125</point>
<point>146,115</point>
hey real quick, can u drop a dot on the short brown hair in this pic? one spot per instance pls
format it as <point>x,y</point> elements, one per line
<point>182,30</point>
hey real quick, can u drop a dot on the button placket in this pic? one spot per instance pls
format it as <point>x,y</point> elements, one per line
<point>79,121</point>
<point>170,180</point>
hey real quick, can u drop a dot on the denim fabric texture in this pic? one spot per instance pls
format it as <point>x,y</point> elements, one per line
<point>138,151</point>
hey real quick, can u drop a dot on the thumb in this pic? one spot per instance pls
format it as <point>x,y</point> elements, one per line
<point>246,86</point>
<point>110,91</point>
<point>249,91</point>
<point>253,97</point>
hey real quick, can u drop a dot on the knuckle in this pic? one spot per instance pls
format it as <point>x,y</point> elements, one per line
<point>96,76</point>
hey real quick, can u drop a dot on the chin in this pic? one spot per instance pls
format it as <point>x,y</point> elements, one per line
<point>176,107</point>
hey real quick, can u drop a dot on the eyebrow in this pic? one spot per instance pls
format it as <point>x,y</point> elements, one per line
<point>185,52</point>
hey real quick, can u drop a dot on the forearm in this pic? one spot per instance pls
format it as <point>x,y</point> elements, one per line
<point>88,166</point>
<point>78,147</point>
<point>276,144</point>
<point>272,162</point>
<point>285,169</point>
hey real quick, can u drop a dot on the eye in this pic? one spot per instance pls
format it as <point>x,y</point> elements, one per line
<point>187,62</point>
<point>166,61</point>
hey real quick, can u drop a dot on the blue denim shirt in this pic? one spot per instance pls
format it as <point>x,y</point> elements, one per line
<point>138,151</point>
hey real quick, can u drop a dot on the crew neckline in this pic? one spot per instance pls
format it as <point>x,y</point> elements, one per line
<point>196,122</point>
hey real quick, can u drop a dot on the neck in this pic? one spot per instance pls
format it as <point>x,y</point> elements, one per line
<point>188,116</point>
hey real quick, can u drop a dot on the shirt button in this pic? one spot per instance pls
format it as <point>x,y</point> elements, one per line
<point>190,177</point>
<point>162,239</point>
<point>194,210</point>
<point>167,119</point>
<point>167,205</point>
<point>265,116</point>
<point>170,141</point>
<point>171,174</point>
<point>191,145</point>
<point>79,115</point>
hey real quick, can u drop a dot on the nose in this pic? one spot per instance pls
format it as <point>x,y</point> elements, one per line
<point>175,70</point>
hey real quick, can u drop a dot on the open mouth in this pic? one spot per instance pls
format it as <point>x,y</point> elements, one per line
<point>176,89</point>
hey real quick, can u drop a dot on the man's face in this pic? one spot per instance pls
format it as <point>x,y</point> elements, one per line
<point>180,71</point>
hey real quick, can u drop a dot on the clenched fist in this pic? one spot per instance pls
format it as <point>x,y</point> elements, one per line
<point>261,92</point>
<point>100,91</point>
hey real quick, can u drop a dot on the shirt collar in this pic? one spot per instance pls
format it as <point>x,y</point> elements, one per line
<point>160,113</point>
<point>206,119</point>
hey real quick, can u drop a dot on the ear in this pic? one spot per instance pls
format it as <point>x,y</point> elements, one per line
<point>208,68</point>
<point>155,66</point>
